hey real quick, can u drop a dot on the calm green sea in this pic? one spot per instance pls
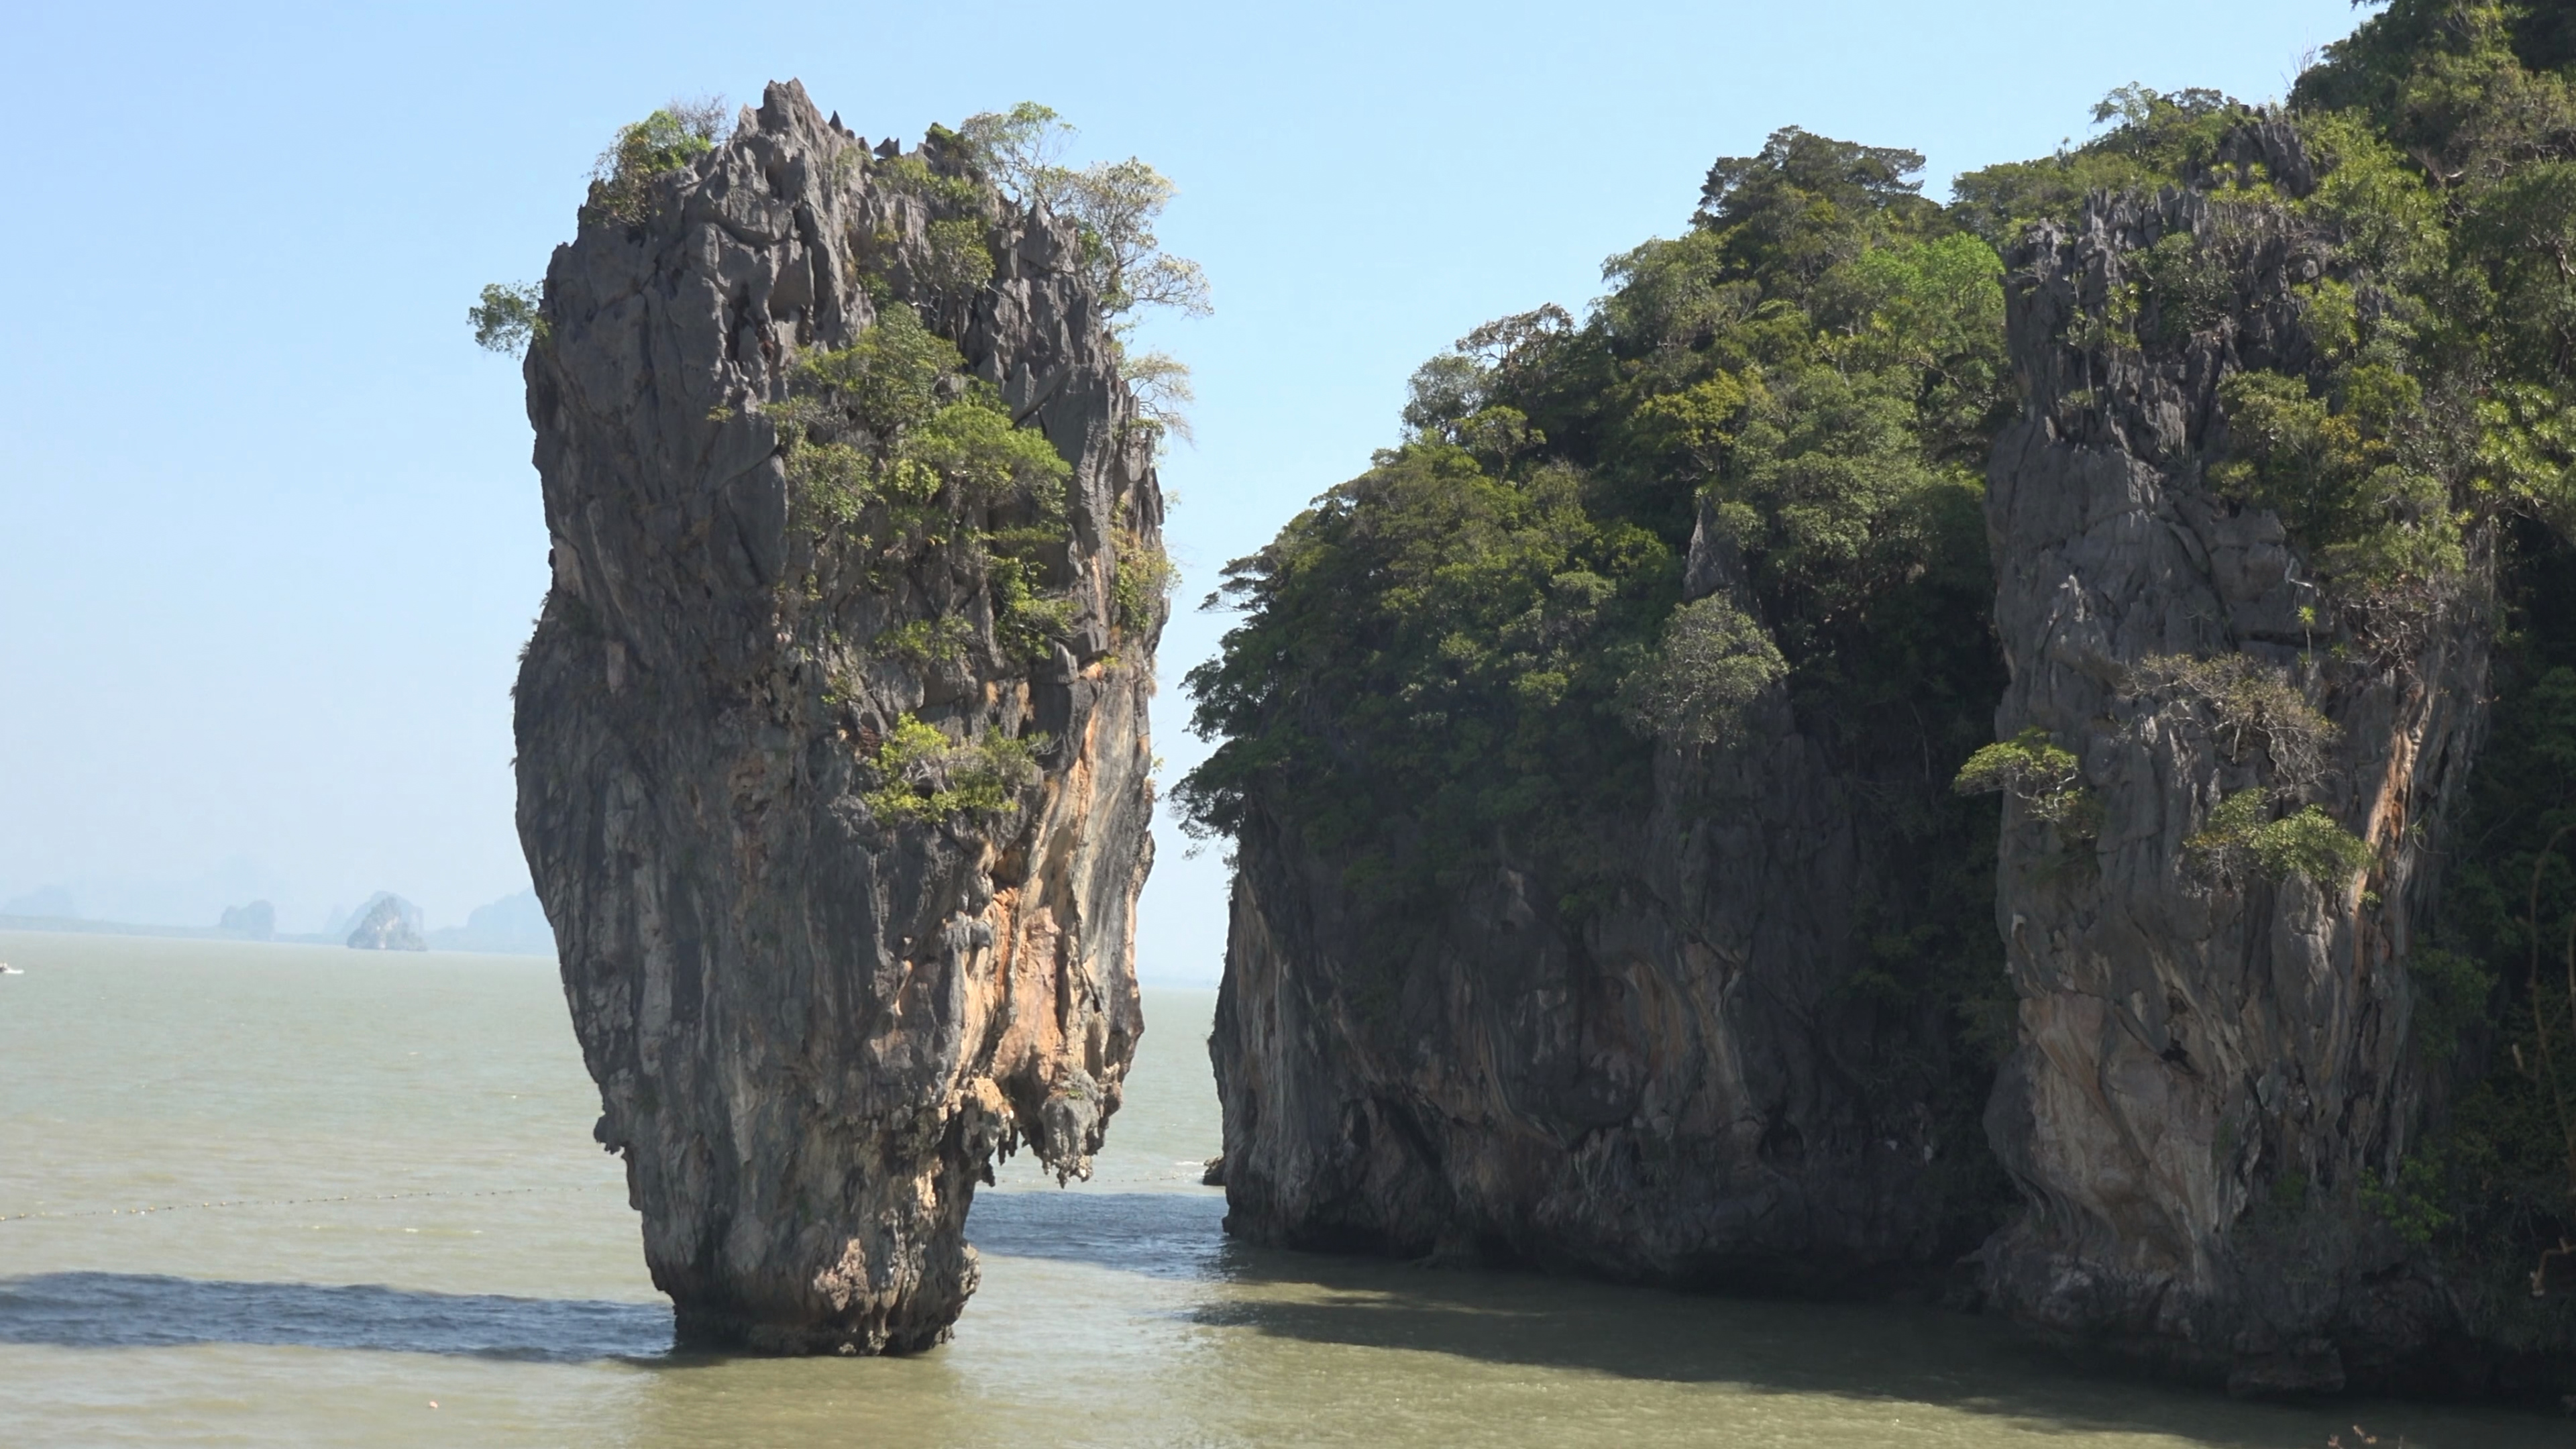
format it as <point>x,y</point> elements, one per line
<point>273,1195</point>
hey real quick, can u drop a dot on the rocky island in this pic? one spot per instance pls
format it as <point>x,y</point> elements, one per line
<point>833,769</point>
<point>1613,767</point>
<point>387,923</point>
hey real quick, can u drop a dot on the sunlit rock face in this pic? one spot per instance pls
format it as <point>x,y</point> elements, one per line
<point>813,1020</point>
<point>2210,1068</point>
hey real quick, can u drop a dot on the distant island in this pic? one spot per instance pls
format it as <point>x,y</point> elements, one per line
<point>513,926</point>
<point>389,923</point>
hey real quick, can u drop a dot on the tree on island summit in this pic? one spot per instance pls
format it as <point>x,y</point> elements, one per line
<point>1113,206</point>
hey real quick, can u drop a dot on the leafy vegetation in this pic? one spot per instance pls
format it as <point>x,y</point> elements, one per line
<point>1144,579</point>
<point>1475,652</point>
<point>2159,139</point>
<point>927,643</point>
<point>621,181</point>
<point>2253,707</point>
<point>926,776</point>
<point>1712,662</point>
<point>891,447</point>
<point>2046,781</point>
<point>507,318</point>
<point>1114,207</point>
<point>2241,836</point>
<point>961,260</point>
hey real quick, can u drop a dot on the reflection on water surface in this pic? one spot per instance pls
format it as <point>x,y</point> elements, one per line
<point>421,1218</point>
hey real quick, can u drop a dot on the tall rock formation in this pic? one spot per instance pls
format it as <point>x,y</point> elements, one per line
<point>2211,1065</point>
<point>1685,1085</point>
<point>833,771</point>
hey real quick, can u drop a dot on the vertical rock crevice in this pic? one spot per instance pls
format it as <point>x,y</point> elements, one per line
<point>839,818</point>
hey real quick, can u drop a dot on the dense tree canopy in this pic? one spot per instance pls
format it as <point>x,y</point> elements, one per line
<point>1484,624</point>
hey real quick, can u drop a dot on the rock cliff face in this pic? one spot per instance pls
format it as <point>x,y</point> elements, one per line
<point>818,988</point>
<point>2209,1068</point>
<point>1680,1087</point>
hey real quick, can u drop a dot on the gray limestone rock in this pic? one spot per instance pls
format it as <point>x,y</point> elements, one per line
<point>2210,1068</point>
<point>814,1023</point>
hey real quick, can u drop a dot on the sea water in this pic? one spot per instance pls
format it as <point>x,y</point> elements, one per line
<point>275,1195</point>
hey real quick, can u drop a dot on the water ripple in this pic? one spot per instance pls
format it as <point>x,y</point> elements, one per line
<point>152,1310</point>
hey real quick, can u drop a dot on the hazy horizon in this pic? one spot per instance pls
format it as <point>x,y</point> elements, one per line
<point>276,541</point>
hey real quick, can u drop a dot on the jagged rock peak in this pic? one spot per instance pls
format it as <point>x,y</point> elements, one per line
<point>833,770</point>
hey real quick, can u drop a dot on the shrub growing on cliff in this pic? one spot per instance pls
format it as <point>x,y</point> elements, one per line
<point>2251,706</point>
<point>2033,770</point>
<point>2336,470</point>
<point>928,777</point>
<point>1145,577</point>
<point>670,138</point>
<point>928,642</point>
<point>1160,383</point>
<point>1114,207</point>
<point>960,261</point>
<point>890,448</point>
<point>507,318</point>
<point>891,428</point>
<point>2241,837</point>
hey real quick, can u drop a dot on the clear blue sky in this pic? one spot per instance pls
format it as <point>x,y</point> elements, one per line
<point>271,536</point>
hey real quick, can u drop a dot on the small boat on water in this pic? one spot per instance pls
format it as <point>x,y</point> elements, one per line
<point>8,970</point>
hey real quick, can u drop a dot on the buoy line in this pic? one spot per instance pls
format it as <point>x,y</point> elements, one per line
<point>138,1212</point>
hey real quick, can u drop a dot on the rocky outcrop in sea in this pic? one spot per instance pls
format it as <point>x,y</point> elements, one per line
<point>833,770</point>
<point>388,923</point>
<point>256,921</point>
<point>2235,779</point>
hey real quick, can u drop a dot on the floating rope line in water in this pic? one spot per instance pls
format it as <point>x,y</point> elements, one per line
<point>139,1212</point>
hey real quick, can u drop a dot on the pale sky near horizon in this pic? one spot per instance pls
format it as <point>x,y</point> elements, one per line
<point>272,536</point>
